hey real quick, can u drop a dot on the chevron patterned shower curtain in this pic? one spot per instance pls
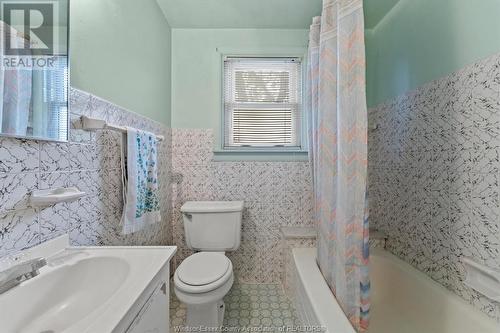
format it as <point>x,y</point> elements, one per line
<point>337,116</point>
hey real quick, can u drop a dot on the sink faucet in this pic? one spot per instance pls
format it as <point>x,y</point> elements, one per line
<point>19,273</point>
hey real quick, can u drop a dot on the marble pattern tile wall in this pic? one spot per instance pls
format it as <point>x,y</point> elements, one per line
<point>275,193</point>
<point>434,175</point>
<point>289,270</point>
<point>89,161</point>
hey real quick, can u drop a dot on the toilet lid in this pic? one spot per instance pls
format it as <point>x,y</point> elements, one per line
<point>203,268</point>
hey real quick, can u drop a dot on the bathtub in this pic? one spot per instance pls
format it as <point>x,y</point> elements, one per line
<point>404,300</point>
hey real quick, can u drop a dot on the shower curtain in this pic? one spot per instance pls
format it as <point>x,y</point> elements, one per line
<point>337,117</point>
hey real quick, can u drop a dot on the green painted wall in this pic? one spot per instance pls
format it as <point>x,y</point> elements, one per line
<point>196,68</point>
<point>121,51</point>
<point>419,41</point>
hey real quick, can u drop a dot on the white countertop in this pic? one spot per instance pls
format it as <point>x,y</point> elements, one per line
<point>92,288</point>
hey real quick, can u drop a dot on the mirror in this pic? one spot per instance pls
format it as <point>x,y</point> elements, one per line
<point>34,69</point>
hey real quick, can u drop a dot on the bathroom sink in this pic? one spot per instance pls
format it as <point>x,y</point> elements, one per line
<point>82,290</point>
<point>58,299</point>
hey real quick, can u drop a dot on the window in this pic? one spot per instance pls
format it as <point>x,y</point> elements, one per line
<point>262,103</point>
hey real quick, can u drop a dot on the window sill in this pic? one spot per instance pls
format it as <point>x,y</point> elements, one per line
<point>271,155</point>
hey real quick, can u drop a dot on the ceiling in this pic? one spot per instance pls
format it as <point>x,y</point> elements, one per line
<point>376,10</point>
<point>241,14</point>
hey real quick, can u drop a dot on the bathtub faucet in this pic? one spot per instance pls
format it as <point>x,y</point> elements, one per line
<point>17,274</point>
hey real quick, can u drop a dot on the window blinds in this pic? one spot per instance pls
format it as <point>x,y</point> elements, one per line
<point>262,102</point>
<point>56,98</point>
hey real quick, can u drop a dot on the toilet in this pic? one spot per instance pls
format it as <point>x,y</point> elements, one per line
<point>204,278</point>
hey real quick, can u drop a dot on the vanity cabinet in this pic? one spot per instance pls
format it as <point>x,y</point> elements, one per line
<point>154,315</point>
<point>150,312</point>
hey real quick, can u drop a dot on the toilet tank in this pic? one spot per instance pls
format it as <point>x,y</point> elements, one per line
<point>212,225</point>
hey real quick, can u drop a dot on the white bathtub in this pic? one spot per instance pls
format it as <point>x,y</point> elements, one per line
<point>404,300</point>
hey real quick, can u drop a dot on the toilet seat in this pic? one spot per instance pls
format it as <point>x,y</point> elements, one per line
<point>203,272</point>
<point>203,268</point>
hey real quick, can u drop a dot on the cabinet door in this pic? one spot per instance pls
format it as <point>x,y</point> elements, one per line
<point>154,316</point>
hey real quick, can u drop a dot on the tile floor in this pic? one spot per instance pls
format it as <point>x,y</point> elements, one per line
<point>248,307</point>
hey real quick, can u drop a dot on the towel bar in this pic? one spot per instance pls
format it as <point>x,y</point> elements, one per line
<point>93,124</point>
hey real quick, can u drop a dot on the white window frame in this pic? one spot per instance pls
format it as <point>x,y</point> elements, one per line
<point>302,148</point>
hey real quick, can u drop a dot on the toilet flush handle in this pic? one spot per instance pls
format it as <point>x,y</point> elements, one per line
<point>189,216</point>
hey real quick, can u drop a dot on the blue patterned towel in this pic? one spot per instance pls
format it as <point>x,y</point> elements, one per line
<point>140,181</point>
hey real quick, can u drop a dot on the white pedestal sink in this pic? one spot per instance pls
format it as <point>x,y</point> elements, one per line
<point>92,289</point>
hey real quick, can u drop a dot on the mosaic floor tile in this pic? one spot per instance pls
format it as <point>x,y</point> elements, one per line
<point>248,307</point>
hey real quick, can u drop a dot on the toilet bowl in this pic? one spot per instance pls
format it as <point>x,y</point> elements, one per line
<point>203,279</point>
<point>200,282</point>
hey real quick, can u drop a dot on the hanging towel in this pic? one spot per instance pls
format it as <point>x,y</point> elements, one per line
<point>140,181</point>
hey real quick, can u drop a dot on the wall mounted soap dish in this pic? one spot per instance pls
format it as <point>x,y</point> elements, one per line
<point>44,198</point>
<point>482,279</point>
